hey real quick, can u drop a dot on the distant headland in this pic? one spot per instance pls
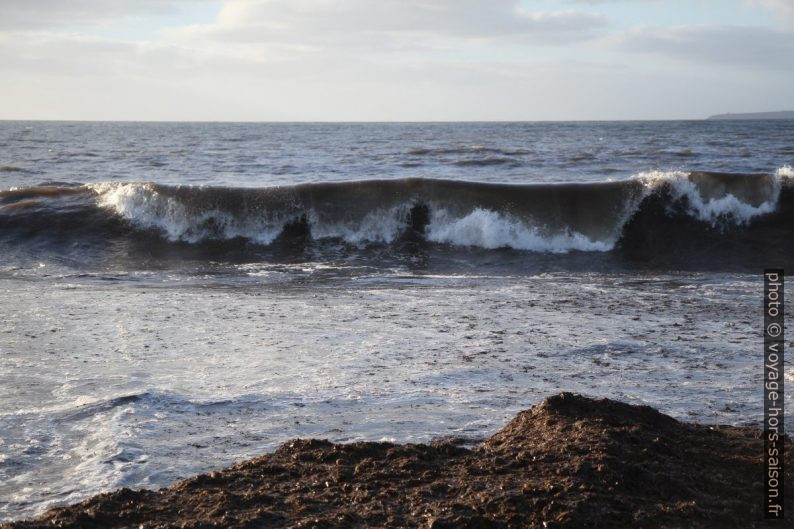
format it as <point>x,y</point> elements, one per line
<point>784,114</point>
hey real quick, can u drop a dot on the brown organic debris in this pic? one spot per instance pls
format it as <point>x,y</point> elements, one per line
<point>569,462</point>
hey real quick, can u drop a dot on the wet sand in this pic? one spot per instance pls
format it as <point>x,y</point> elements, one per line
<point>569,462</point>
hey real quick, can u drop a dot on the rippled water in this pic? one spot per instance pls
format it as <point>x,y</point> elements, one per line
<point>244,154</point>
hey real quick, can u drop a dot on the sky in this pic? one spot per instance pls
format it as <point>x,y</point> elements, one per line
<point>393,60</point>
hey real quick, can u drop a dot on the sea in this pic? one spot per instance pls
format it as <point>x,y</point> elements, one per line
<point>177,297</point>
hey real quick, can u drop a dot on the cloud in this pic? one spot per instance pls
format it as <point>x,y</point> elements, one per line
<point>340,21</point>
<point>60,56</point>
<point>746,47</point>
<point>374,59</point>
<point>782,7</point>
<point>39,14</point>
<point>601,2</point>
<point>305,39</point>
<point>314,39</point>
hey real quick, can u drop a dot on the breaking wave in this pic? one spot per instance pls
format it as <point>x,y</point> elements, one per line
<point>645,217</point>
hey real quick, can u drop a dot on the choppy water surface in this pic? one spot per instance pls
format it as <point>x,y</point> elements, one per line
<point>177,297</point>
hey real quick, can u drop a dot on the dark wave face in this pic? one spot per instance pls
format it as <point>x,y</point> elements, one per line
<point>681,220</point>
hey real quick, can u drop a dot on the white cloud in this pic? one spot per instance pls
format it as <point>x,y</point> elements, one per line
<point>601,2</point>
<point>33,14</point>
<point>314,39</point>
<point>347,20</point>
<point>743,47</point>
<point>784,8</point>
<point>307,40</point>
<point>373,59</point>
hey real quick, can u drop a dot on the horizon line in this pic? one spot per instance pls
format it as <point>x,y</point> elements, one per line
<point>347,121</point>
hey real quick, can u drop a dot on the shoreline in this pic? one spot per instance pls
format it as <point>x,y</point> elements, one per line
<point>567,462</point>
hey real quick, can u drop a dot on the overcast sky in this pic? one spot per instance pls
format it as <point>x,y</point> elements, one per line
<point>384,60</point>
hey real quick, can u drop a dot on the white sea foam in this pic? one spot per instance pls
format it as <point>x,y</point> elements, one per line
<point>142,205</point>
<point>489,229</point>
<point>785,174</point>
<point>224,374</point>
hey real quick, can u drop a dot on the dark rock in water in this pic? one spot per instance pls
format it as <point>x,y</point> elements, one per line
<point>569,462</point>
<point>419,218</point>
<point>415,226</point>
<point>295,234</point>
<point>297,229</point>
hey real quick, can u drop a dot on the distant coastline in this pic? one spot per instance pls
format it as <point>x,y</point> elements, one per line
<point>783,114</point>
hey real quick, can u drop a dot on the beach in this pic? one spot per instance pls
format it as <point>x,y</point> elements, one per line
<point>568,462</point>
<point>180,298</point>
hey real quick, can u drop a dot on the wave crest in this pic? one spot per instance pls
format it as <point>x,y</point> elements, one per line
<point>645,213</point>
<point>146,207</point>
<point>710,197</point>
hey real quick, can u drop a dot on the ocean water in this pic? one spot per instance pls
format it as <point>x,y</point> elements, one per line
<point>180,296</point>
